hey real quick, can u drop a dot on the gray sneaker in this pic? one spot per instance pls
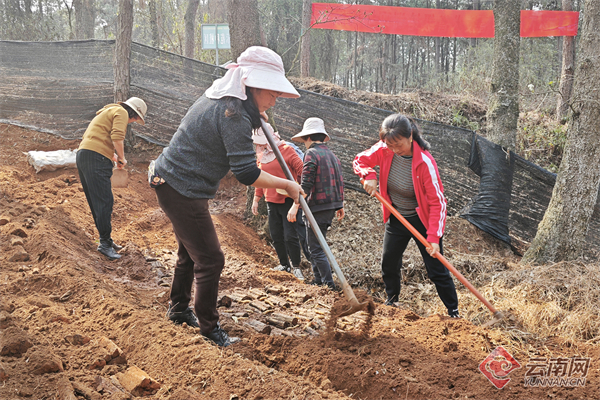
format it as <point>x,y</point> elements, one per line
<point>298,274</point>
<point>285,268</point>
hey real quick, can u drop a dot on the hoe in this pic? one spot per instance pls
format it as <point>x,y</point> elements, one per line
<point>497,315</point>
<point>355,306</point>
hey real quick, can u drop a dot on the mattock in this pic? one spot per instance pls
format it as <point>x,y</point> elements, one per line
<point>498,316</point>
<point>355,306</point>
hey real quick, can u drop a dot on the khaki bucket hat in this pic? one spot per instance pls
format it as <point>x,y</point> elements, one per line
<point>311,126</point>
<point>139,106</point>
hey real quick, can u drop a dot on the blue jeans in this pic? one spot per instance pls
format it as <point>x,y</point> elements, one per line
<point>320,263</point>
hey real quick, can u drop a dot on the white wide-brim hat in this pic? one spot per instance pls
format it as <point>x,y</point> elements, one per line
<point>257,67</point>
<point>139,106</point>
<point>258,136</point>
<point>311,126</point>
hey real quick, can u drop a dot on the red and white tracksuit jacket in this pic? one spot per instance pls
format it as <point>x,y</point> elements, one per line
<point>426,181</point>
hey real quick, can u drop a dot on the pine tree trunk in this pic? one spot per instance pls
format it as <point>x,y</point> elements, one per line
<point>305,44</point>
<point>437,45</point>
<point>355,60</point>
<point>394,60</point>
<point>568,67</point>
<point>503,107</point>
<point>403,70</point>
<point>190,28</point>
<point>561,234</point>
<point>85,18</point>
<point>154,23</point>
<point>476,6</point>
<point>78,6</point>
<point>329,65</point>
<point>90,19</point>
<point>454,56</point>
<point>122,56</point>
<point>244,26</point>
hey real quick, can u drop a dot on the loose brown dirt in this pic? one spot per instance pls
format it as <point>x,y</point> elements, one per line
<point>63,306</point>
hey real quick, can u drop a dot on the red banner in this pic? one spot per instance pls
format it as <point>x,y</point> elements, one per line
<point>549,23</point>
<point>436,22</point>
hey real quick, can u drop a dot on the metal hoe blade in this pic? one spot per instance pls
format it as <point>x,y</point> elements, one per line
<point>119,178</point>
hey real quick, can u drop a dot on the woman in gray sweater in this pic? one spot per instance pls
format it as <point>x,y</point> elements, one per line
<point>215,136</point>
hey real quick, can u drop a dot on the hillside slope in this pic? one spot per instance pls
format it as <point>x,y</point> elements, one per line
<point>76,326</point>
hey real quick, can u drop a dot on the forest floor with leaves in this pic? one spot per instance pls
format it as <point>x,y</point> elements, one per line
<point>74,325</point>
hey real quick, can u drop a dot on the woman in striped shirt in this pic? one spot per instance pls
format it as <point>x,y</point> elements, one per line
<point>409,179</point>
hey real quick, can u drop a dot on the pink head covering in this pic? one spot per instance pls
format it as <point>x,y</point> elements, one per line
<point>257,67</point>
<point>264,152</point>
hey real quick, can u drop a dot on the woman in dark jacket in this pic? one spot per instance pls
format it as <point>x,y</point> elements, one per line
<point>215,136</point>
<point>323,183</point>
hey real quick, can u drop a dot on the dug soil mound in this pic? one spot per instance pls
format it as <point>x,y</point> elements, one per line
<point>74,325</point>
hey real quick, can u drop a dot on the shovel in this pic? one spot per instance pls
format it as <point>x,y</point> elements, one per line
<point>120,178</point>
<point>495,313</point>
<point>355,306</point>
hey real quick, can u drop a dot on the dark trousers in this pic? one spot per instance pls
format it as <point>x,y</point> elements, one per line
<point>320,263</point>
<point>395,240</point>
<point>301,229</point>
<point>283,233</point>
<point>199,255</point>
<point>95,171</point>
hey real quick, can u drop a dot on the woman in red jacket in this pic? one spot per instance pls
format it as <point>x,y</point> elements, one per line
<point>283,232</point>
<point>409,179</point>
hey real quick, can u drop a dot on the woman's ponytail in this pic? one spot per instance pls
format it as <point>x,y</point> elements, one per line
<point>416,134</point>
<point>235,105</point>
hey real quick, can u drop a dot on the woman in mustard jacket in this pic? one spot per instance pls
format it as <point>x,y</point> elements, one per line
<point>102,144</point>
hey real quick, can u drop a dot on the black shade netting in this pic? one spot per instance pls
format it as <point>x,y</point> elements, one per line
<point>57,87</point>
<point>489,209</point>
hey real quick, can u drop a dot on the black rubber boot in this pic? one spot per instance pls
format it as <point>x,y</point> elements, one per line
<point>106,248</point>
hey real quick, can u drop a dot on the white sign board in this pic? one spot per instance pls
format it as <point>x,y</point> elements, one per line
<point>215,36</point>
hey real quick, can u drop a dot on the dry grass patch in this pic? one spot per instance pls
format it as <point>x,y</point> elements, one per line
<point>560,299</point>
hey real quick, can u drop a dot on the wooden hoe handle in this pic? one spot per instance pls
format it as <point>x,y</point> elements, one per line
<point>438,255</point>
<point>346,288</point>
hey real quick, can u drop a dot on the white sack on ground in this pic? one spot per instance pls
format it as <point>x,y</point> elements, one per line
<point>51,160</point>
